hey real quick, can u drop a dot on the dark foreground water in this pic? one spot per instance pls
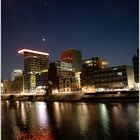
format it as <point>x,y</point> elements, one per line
<point>69,121</point>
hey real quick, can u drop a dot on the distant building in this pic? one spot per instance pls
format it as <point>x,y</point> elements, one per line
<point>73,57</point>
<point>1,85</point>
<point>88,68</point>
<point>135,60</point>
<point>16,73</point>
<point>35,64</point>
<point>62,76</point>
<point>95,63</point>
<point>117,77</point>
<point>17,85</point>
<point>6,86</point>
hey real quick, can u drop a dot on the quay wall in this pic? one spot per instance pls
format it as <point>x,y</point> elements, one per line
<point>95,97</point>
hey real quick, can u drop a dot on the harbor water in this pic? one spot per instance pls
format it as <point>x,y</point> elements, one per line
<point>25,120</point>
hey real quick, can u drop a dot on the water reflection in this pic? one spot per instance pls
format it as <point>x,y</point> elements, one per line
<point>42,114</point>
<point>23,114</point>
<point>104,120</point>
<point>81,121</point>
<point>27,121</point>
<point>82,118</point>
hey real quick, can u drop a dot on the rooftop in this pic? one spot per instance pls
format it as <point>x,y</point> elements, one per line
<point>32,51</point>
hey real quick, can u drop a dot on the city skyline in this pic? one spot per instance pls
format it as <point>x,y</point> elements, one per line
<point>54,26</point>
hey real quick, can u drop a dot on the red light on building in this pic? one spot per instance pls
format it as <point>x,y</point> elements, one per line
<point>32,51</point>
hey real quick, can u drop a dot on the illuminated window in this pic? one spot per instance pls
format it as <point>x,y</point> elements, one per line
<point>90,64</point>
<point>88,61</point>
<point>120,73</point>
<point>114,68</point>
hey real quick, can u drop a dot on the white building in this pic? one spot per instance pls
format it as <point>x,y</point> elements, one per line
<point>16,73</point>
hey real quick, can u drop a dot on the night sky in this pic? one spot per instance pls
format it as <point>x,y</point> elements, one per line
<point>102,28</point>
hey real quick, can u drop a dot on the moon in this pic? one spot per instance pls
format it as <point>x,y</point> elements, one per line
<point>43,39</point>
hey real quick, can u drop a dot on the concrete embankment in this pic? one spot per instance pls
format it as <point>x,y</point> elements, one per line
<point>112,96</point>
<point>53,97</point>
<point>95,97</point>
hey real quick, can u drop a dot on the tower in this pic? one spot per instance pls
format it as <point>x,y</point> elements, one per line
<point>35,63</point>
<point>72,56</point>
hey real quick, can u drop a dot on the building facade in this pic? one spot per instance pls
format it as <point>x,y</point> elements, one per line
<point>88,68</point>
<point>17,85</point>
<point>118,77</point>
<point>135,60</point>
<point>73,57</point>
<point>13,86</point>
<point>6,86</point>
<point>62,76</point>
<point>35,65</point>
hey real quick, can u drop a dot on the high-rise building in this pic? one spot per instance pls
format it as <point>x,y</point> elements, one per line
<point>88,68</point>
<point>35,63</point>
<point>135,60</point>
<point>72,56</point>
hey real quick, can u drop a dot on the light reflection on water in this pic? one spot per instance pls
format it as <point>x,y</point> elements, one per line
<point>68,121</point>
<point>42,114</point>
<point>104,119</point>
